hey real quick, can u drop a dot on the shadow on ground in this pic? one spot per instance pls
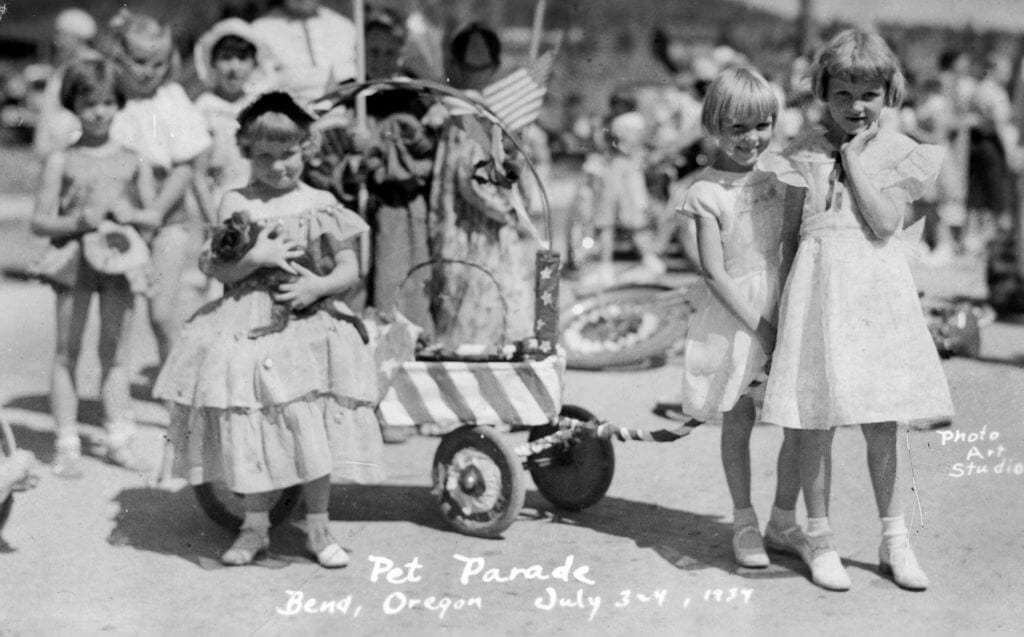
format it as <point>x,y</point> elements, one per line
<point>172,523</point>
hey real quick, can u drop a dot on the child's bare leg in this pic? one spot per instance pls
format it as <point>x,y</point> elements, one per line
<point>606,243</point>
<point>882,466</point>
<point>737,423</point>
<point>782,533</point>
<point>116,313</point>
<point>170,257</point>
<point>72,312</point>
<point>816,476</point>
<point>645,245</point>
<point>894,554</point>
<point>787,470</point>
<point>320,542</point>
<point>254,536</point>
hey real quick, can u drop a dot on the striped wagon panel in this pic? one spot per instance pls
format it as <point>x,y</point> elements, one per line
<point>450,394</point>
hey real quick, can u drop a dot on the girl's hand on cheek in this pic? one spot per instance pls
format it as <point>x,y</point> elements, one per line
<point>861,139</point>
<point>274,250</point>
<point>302,292</point>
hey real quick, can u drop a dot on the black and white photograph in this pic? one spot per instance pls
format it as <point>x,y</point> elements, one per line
<point>511,317</point>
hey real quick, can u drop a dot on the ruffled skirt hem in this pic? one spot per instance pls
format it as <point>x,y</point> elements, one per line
<point>254,451</point>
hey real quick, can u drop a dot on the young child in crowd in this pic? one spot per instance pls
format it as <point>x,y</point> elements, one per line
<point>83,186</point>
<point>231,62</point>
<point>161,124</point>
<point>288,407</point>
<point>853,347</point>
<point>622,199</point>
<point>746,234</point>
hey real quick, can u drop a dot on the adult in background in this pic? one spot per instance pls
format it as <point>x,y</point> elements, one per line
<point>394,155</point>
<point>401,153</point>
<point>315,47</point>
<point>57,128</point>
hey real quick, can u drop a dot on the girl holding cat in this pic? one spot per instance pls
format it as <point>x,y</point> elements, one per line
<point>267,410</point>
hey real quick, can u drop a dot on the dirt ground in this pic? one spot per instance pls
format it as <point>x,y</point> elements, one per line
<point>106,554</point>
<point>109,555</point>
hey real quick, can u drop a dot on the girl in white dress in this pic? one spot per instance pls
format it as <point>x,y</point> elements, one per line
<point>746,235</point>
<point>853,347</point>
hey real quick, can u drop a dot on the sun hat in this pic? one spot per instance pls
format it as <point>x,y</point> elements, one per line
<point>202,54</point>
<point>114,248</point>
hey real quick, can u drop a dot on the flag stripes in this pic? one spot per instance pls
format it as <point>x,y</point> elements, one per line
<point>518,97</point>
<point>450,394</point>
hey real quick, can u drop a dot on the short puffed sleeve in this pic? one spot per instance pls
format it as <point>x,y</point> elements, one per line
<point>701,201</point>
<point>331,229</point>
<point>188,133</point>
<point>166,129</point>
<point>913,172</point>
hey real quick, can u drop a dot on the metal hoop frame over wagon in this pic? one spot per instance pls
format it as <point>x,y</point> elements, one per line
<point>478,480</point>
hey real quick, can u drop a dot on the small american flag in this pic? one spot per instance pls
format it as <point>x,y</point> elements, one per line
<point>518,97</point>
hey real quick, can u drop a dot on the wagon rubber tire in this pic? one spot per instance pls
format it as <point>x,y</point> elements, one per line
<point>579,475</point>
<point>214,501</point>
<point>478,481</point>
<point>5,510</point>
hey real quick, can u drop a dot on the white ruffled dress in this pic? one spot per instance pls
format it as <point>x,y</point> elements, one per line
<point>266,413</point>
<point>721,356</point>
<point>853,346</point>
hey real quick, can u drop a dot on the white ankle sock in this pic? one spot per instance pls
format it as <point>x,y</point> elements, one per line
<point>783,518</point>
<point>818,527</point>
<point>744,517</point>
<point>893,528</point>
<point>70,444</point>
<point>257,521</point>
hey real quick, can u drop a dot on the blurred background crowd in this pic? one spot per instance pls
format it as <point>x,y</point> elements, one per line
<point>648,61</point>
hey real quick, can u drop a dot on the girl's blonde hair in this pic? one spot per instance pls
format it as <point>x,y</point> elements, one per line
<point>858,56</point>
<point>276,117</point>
<point>128,24</point>
<point>739,92</point>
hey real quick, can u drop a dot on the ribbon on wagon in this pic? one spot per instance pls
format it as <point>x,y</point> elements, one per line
<point>605,431</point>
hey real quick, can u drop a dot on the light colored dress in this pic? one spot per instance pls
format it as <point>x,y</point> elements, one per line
<point>312,53</point>
<point>228,169</point>
<point>721,356</point>
<point>282,409</point>
<point>853,346</point>
<point>165,129</point>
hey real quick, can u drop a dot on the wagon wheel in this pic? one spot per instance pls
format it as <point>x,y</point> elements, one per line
<point>478,481</point>
<point>575,475</point>
<point>5,510</point>
<point>225,507</point>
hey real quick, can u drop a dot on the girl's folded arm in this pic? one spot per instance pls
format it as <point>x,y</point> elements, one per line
<point>266,251</point>
<point>201,187</point>
<point>308,287</point>
<point>46,218</point>
<point>178,181</point>
<point>883,212</point>
<point>792,212</point>
<point>344,275</point>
